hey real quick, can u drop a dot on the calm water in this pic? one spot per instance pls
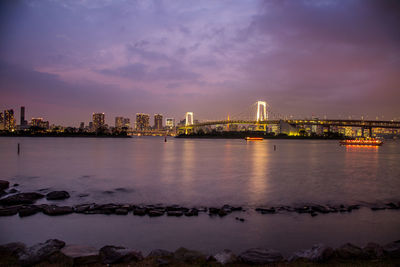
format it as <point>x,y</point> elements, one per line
<point>204,172</point>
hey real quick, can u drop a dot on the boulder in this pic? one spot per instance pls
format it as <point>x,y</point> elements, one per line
<point>392,249</point>
<point>155,213</point>
<point>189,256</point>
<point>225,257</point>
<point>28,210</point>
<point>82,208</point>
<point>192,212</point>
<point>317,253</point>
<point>266,210</point>
<point>56,210</point>
<point>113,254</point>
<point>81,255</point>
<point>57,195</point>
<point>260,256</point>
<point>373,251</point>
<point>9,211</point>
<point>139,211</point>
<point>177,213</point>
<point>157,253</point>
<point>213,211</point>
<point>21,198</point>
<point>121,211</point>
<point>349,251</point>
<point>4,184</point>
<point>40,252</point>
<point>13,249</point>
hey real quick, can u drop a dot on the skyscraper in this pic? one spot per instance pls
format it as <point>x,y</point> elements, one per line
<point>9,121</point>
<point>23,122</point>
<point>98,121</point>
<point>127,123</point>
<point>158,118</point>
<point>170,123</point>
<point>119,121</point>
<point>142,121</point>
<point>1,121</point>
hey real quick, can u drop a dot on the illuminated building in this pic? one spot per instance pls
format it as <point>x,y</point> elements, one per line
<point>1,121</point>
<point>158,118</point>
<point>142,122</point>
<point>119,122</point>
<point>8,120</point>
<point>98,121</point>
<point>82,126</point>
<point>126,123</point>
<point>39,122</point>
<point>170,123</point>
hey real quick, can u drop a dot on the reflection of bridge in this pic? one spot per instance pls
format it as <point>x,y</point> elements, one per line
<point>261,122</point>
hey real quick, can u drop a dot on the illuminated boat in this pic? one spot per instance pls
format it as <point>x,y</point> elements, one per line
<point>361,142</point>
<point>254,138</point>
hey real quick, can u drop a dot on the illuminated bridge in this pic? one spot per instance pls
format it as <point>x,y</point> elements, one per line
<point>261,121</point>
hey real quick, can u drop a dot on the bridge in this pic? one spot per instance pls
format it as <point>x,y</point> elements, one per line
<point>261,121</point>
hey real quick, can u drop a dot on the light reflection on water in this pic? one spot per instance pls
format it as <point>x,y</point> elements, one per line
<point>204,172</point>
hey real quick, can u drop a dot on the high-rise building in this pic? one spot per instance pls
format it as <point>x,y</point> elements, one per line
<point>142,122</point>
<point>170,123</point>
<point>9,121</point>
<point>158,118</point>
<point>127,123</point>
<point>98,121</point>
<point>82,126</point>
<point>119,122</point>
<point>39,122</point>
<point>1,121</point>
<point>23,122</point>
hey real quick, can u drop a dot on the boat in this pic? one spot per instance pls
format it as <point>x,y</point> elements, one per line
<point>361,142</point>
<point>248,138</point>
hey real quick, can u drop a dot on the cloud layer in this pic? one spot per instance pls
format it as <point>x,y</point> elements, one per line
<point>67,59</point>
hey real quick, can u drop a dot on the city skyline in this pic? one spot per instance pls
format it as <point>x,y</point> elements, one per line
<point>64,60</point>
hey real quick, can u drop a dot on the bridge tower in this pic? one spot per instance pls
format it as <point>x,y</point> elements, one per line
<point>189,118</point>
<point>262,115</point>
<point>188,122</point>
<point>261,111</point>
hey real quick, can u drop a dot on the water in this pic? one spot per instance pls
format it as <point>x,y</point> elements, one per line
<point>205,173</point>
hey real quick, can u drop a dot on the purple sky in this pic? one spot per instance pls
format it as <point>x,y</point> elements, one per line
<point>64,60</point>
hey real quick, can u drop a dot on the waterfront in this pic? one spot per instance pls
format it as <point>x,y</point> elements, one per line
<point>204,172</point>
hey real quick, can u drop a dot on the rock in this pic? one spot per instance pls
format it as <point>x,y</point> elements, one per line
<point>9,211</point>
<point>213,211</point>
<point>225,257</point>
<point>392,205</point>
<point>236,208</point>
<point>82,208</point>
<point>378,207</point>
<point>112,254</point>
<point>139,211</point>
<point>222,213</point>
<point>15,184</point>
<point>189,256</point>
<point>392,249</point>
<point>21,198</point>
<point>57,195</point>
<point>266,210</point>
<point>81,255</point>
<point>155,213</point>
<point>121,211</point>
<point>4,184</point>
<point>174,208</point>
<point>349,251</point>
<point>239,219</point>
<point>56,210</point>
<point>40,252</point>
<point>317,253</point>
<point>303,209</point>
<point>192,212</point>
<point>320,209</point>
<point>160,253</point>
<point>260,256</point>
<point>313,214</point>
<point>12,249</point>
<point>373,251</point>
<point>177,213</point>
<point>28,210</point>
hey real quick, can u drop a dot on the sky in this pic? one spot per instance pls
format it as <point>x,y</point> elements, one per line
<point>64,60</point>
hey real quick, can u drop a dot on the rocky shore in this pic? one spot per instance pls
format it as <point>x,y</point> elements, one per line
<point>55,252</point>
<point>13,202</point>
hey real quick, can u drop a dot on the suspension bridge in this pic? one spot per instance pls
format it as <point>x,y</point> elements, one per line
<point>262,118</point>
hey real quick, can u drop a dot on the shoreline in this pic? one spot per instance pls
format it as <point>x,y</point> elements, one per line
<point>57,252</point>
